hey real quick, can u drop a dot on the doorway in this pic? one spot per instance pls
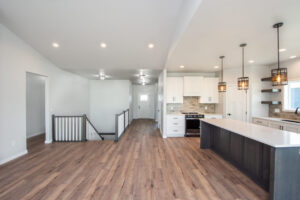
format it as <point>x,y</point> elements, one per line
<point>35,109</point>
<point>144,101</point>
<point>236,103</point>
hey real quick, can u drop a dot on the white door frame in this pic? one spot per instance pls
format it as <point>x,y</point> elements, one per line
<point>48,135</point>
<point>136,90</point>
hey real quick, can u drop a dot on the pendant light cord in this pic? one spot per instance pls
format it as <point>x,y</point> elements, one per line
<point>243,60</point>
<point>278,54</point>
<point>222,71</point>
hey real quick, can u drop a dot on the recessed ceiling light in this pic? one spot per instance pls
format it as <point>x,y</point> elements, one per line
<point>282,50</point>
<point>216,67</point>
<point>55,45</point>
<point>251,61</point>
<point>292,57</point>
<point>181,66</point>
<point>150,46</point>
<point>103,45</point>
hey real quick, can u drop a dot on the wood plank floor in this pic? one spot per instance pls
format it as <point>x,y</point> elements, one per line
<point>141,166</point>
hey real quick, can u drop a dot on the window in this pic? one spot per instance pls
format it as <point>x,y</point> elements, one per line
<point>144,97</point>
<point>292,95</point>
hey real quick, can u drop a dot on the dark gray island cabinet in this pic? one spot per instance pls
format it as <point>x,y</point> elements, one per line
<point>268,156</point>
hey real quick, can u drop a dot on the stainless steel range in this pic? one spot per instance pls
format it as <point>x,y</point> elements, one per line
<point>192,124</point>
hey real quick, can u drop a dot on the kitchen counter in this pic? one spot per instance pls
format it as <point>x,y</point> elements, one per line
<point>266,135</point>
<point>205,114</point>
<point>175,113</point>
<point>270,157</point>
<point>279,120</point>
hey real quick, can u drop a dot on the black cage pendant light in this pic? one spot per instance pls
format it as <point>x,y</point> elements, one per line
<point>222,85</point>
<point>243,82</point>
<point>279,75</point>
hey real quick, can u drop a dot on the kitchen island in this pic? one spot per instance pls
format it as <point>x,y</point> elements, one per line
<point>268,156</point>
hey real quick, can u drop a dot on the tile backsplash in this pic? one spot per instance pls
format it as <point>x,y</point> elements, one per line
<point>282,114</point>
<point>190,104</point>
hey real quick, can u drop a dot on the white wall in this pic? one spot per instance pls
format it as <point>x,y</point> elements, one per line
<point>35,104</point>
<point>66,93</point>
<point>255,96</point>
<point>108,98</point>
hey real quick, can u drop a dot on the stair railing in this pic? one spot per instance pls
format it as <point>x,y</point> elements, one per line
<point>76,128</point>
<point>71,128</point>
<point>122,123</point>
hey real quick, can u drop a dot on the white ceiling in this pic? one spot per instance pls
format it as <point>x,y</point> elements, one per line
<point>219,26</point>
<point>126,26</point>
<point>192,33</point>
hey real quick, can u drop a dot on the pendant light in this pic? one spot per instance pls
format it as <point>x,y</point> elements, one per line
<point>222,85</point>
<point>279,75</point>
<point>243,82</point>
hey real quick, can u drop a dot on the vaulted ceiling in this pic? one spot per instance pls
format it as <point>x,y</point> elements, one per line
<point>192,33</point>
<point>127,27</point>
<point>218,27</point>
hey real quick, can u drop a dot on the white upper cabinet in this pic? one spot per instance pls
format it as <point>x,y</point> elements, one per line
<point>210,92</point>
<point>192,86</point>
<point>174,89</point>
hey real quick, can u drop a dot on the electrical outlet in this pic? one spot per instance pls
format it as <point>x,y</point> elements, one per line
<point>205,107</point>
<point>277,110</point>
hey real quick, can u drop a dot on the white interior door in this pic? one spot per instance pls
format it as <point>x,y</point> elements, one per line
<point>236,103</point>
<point>144,97</point>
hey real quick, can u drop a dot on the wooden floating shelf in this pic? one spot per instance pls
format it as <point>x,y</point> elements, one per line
<point>271,102</point>
<point>274,90</point>
<point>267,79</point>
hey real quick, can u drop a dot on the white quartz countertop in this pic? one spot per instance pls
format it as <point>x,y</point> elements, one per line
<point>266,135</point>
<point>279,120</point>
<point>208,114</point>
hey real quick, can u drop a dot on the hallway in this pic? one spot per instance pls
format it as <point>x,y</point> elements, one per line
<point>141,165</point>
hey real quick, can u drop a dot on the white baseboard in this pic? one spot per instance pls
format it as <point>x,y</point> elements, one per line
<point>13,157</point>
<point>48,141</point>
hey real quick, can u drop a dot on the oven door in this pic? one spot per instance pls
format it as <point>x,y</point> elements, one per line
<point>192,127</point>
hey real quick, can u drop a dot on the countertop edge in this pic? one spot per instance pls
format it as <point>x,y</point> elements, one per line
<point>247,136</point>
